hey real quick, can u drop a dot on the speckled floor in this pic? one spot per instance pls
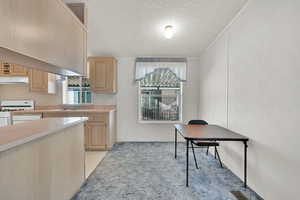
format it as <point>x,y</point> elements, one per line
<point>144,171</point>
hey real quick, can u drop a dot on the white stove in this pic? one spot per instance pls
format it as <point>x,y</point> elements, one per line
<point>6,106</point>
<point>5,119</point>
<point>14,105</point>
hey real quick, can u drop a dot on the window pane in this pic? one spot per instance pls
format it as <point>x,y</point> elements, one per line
<point>74,95</point>
<point>85,82</point>
<point>86,95</point>
<point>78,91</point>
<point>160,96</point>
<point>160,105</point>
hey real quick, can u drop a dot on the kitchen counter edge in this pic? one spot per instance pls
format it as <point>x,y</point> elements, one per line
<point>23,112</point>
<point>16,135</point>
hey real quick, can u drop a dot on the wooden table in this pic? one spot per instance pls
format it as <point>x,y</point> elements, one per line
<point>208,133</point>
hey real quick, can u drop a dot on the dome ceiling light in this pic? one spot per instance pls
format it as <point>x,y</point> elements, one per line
<point>169,31</point>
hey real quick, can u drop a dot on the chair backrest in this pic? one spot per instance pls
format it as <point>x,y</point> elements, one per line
<point>197,122</point>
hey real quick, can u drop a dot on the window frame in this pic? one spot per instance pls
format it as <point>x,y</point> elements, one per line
<point>141,121</point>
<point>65,88</point>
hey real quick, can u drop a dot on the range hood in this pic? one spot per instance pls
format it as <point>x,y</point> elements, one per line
<point>14,80</point>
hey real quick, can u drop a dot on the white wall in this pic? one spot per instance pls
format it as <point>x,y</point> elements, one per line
<point>253,67</point>
<point>21,91</point>
<point>128,127</point>
<point>104,99</point>
<point>126,99</point>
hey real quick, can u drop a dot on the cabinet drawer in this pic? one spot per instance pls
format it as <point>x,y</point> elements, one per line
<point>98,117</point>
<point>48,114</point>
<point>75,114</point>
<point>64,114</point>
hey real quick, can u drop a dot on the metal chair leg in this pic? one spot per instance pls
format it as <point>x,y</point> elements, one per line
<point>219,157</point>
<point>194,155</point>
<point>215,152</point>
<point>207,150</point>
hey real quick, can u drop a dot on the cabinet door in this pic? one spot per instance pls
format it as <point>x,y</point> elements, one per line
<point>95,136</point>
<point>5,69</point>
<point>103,75</point>
<point>17,70</point>
<point>38,81</point>
<point>99,75</point>
<point>55,115</point>
<point>103,117</point>
<point>1,69</point>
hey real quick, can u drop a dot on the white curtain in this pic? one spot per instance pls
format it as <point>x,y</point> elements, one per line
<point>144,68</point>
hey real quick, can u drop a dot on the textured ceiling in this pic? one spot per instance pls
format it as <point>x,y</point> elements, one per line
<point>135,27</point>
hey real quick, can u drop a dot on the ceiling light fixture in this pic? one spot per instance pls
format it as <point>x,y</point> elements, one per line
<point>169,31</point>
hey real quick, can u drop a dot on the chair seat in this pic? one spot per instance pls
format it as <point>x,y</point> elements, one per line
<point>205,144</point>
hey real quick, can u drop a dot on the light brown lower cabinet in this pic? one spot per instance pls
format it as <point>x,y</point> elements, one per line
<point>99,130</point>
<point>95,136</point>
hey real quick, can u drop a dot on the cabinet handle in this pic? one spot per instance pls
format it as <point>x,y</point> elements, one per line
<point>6,68</point>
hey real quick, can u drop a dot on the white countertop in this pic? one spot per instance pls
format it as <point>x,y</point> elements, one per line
<point>15,135</point>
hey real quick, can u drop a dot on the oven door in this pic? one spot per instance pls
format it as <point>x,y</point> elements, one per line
<point>4,121</point>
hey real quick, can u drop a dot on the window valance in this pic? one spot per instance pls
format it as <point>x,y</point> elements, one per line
<point>146,66</point>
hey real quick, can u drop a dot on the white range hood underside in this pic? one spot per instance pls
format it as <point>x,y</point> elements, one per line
<point>14,80</point>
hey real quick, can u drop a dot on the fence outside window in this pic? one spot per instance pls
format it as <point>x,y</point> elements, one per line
<point>160,104</point>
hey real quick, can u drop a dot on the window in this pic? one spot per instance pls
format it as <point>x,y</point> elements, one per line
<point>76,90</point>
<point>160,93</point>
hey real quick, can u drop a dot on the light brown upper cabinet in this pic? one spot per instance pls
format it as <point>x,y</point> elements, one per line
<point>103,74</point>
<point>7,69</point>
<point>43,30</point>
<point>17,70</point>
<point>42,82</point>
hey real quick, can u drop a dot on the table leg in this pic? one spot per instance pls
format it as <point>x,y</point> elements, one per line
<point>245,164</point>
<point>187,163</point>
<point>175,143</point>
